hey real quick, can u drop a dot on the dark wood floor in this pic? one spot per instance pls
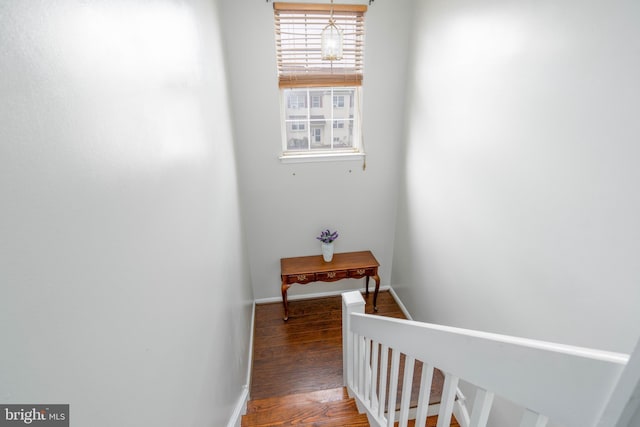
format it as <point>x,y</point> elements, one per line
<point>304,354</point>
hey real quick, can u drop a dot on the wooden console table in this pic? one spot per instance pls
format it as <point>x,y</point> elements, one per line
<point>306,269</point>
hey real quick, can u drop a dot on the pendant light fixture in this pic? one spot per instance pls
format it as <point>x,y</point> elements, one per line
<point>331,38</point>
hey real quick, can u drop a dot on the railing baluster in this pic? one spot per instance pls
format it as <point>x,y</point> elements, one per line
<point>424,395</point>
<point>366,392</point>
<point>407,383</point>
<point>362,365</point>
<point>393,387</point>
<point>374,374</point>
<point>533,419</point>
<point>384,361</point>
<point>481,408</point>
<point>448,400</point>
<point>356,363</point>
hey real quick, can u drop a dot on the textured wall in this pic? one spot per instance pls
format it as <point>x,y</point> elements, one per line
<point>125,287</point>
<point>520,211</point>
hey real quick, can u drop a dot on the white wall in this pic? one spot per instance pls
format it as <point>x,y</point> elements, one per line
<point>286,206</point>
<point>521,212</point>
<point>636,419</point>
<point>125,287</point>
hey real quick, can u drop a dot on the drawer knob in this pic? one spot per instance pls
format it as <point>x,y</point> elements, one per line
<point>361,271</point>
<point>302,277</point>
<point>331,274</point>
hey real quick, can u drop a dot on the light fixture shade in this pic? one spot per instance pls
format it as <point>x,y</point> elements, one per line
<point>331,42</point>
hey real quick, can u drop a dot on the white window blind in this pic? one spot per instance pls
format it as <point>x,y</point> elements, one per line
<point>298,29</point>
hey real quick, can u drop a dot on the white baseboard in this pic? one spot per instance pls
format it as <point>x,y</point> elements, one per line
<point>400,304</point>
<point>314,295</point>
<point>240,408</point>
<point>250,363</point>
<point>241,405</point>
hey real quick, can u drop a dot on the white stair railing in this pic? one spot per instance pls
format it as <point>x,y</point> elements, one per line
<point>570,385</point>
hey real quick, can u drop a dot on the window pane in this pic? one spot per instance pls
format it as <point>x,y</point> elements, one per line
<point>343,103</point>
<point>343,110</point>
<point>297,99</point>
<point>342,134</point>
<point>297,135</point>
<point>319,138</point>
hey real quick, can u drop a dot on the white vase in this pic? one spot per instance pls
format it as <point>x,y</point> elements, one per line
<point>327,251</point>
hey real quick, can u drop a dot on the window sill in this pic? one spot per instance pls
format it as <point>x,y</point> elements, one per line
<point>320,157</point>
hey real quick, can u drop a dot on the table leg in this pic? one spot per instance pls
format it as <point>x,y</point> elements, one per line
<point>285,303</point>
<point>367,288</point>
<point>375,295</point>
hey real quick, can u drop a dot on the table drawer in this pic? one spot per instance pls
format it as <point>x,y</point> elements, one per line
<point>328,276</point>
<point>301,278</point>
<point>361,272</point>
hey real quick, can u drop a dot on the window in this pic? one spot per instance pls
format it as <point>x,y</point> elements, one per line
<point>320,100</point>
<point>296,101</point>
<point>316,101</point>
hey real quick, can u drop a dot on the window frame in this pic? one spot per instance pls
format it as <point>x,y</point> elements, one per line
<point>331,124</point>
<point>305,71</point>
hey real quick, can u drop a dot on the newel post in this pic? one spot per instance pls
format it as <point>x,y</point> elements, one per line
<point>352,302</point>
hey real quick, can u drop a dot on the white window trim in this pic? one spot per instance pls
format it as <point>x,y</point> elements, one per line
<point>304,69</point>
<point>322,157</point>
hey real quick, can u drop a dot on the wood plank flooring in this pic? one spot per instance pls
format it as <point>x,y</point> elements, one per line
<point>324,408</point>
<point>305,353</point>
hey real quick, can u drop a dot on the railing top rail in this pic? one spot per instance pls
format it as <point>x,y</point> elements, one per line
<point>595,354</point>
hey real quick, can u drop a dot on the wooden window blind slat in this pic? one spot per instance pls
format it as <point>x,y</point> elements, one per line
<point>298,28</point>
